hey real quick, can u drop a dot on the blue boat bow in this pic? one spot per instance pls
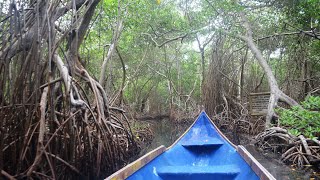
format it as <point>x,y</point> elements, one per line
<point>202,152</point>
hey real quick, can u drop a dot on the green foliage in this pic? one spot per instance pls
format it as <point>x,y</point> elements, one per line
<point>306,13</point>
<point>302,120</point>
<point>312,103</point>
<point>149,68</point>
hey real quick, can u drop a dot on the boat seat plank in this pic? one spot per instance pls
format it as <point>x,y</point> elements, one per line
<point>206,142</point>
<point>209,171</point>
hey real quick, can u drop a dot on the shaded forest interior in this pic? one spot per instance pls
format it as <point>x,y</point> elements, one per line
<point>76,76</point>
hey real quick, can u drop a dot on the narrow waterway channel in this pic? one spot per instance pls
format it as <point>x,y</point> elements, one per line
<point>165,134</point>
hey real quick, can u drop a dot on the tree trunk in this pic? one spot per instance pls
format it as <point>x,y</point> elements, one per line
<point>114,43</point>
<point>213,85</point>
<point>203,62</point>
<point>275,92</point>
<point>243,61</point>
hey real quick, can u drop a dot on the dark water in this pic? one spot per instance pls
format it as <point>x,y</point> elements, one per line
<point>165,134</point>
<point>273,164</point>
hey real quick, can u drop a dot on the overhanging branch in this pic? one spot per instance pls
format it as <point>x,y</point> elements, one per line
<point>167,40</point>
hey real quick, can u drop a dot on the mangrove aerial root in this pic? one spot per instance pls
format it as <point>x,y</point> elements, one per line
<point>299,151</point>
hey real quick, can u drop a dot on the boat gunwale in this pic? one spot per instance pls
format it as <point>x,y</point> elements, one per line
<point>133,167</point>
<point>255,165</point>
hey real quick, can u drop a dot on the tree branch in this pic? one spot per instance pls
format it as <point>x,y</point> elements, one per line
<point>288,33</point>
<point>63,10</point>
<point>7,175</point>
<point>167,40</point>
<point>42,129</point>
<point>86,22</point>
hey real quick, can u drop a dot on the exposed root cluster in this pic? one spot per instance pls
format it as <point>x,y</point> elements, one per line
<point>56,121</point>
<point>73,145</point>
<point>143,135</point>
<point>234,117</point>
<point>299,151</point>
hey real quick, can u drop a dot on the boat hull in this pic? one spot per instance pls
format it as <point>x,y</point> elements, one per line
<point>202,152</point>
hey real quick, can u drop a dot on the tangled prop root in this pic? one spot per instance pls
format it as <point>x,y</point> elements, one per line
<point>299,151</point>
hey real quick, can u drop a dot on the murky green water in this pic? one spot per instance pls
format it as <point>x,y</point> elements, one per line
<point>165,134</point>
